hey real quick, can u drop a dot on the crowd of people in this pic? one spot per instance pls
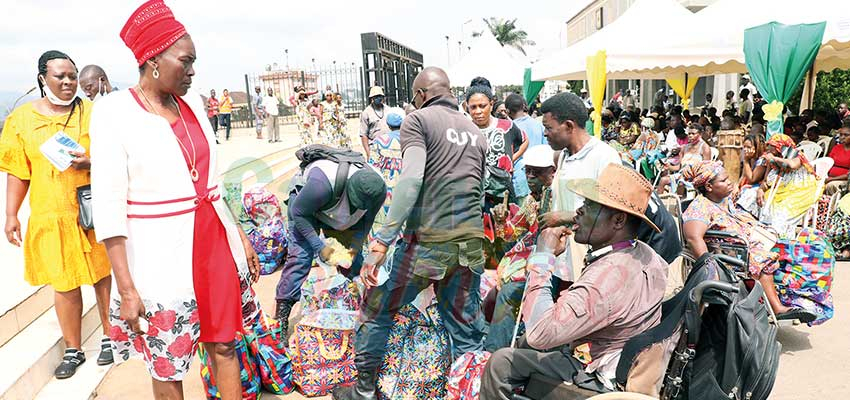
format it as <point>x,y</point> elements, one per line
<point>573,224</point>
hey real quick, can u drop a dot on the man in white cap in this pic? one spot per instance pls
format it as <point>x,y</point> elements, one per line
<point>373,119</point>
<point>518,224</point>
<point>586,99</point>
<point>747,84</point>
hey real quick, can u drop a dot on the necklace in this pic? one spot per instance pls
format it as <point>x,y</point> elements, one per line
<point>193,171</point>
<point>381,115</point>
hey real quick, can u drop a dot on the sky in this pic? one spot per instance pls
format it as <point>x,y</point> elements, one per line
<point>233,38</point>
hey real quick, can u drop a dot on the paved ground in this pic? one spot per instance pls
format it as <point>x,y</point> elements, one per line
<point>814,363</point>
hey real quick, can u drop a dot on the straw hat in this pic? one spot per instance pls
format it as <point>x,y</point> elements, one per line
<point>376,91</point>
<point>618,187</point>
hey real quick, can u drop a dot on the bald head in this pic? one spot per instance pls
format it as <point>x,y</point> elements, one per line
<point>433,82</point>
<point>93,81</point>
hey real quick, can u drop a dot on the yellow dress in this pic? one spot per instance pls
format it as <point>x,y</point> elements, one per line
<point>57,251</point>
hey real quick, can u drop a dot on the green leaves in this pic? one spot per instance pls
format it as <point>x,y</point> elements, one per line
<point>507,34</point>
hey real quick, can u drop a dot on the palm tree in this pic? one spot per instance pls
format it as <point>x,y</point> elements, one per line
<point>507,34</point>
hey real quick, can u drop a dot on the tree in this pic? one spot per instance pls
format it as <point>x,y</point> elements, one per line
<point>507,33</point>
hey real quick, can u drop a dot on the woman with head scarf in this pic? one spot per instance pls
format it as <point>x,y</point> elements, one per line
<point>57,250</point>
<point>339,123</point>
<point>326,119</point>
<point>177,256</point>
<point>713,209</point>
<point>790,186</point>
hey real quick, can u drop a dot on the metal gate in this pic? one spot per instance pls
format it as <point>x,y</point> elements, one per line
<point>343,78</point>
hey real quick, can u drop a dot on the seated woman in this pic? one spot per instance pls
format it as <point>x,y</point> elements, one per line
<point>694,152</point>
<point>789,188</point>
<point>648,139</point>
<point>752,172</point>
<point>714,210</point>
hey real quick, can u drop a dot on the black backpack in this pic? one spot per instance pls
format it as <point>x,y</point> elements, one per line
<point>733,351</point>
<point>315,152</point>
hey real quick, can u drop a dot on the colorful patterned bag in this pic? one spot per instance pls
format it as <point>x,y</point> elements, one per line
<point>322,359</point>
<point>267,347</point>
<point>418,356</point>
<point>804,276</point>
<point>268,235</point>
<point>322,347</point>
<point>465,375</point>
<point>249,375</point>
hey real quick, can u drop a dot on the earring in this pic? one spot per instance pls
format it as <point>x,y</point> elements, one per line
<point>155,72</point>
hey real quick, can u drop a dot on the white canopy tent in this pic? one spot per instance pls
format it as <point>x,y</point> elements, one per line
<point>714,44</point>
<point>638,27</point>
<point>487,58</point>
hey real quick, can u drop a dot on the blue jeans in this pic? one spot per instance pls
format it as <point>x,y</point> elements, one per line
<point>504,316</point>
<point>224,120</point>
<point>454,268</point>
<point>299,259</point>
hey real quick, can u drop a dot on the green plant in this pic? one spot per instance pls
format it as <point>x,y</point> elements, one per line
<point>507,34</point>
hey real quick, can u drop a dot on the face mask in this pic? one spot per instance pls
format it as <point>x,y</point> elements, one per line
<point>378,101</point>
<point>53,99</point>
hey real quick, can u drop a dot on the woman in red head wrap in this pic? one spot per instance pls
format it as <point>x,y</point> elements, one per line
<point>176,253</point>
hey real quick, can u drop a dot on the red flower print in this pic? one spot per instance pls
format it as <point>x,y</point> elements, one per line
<point>117,334</point>
<point>163,367</point>
<point>152,331</point>
<point>139,344</point>
<point>181,346</point>
<point>164,320</point>
<point>194,318</point>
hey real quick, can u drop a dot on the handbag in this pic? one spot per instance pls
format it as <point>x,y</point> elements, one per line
<point>248,372</point>
<point>322,346</point>
<point>418,356</point>
<point>85,219</point>
<point>464,381</point>
<point>322,359</point>
<point>267,348</point>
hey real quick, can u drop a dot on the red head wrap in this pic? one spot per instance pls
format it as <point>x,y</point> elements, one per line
<point>150,30</point>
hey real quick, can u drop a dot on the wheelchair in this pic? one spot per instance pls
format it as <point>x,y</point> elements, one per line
<point>707,284</point>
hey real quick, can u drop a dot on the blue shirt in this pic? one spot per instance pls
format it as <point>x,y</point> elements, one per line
<point>534,131</point>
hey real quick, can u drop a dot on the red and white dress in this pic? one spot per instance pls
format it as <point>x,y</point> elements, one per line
<point>184,251</point>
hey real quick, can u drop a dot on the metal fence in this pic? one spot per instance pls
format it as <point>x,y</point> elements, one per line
<point>343,78</point>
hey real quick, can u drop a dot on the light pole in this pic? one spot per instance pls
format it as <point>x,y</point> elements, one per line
<point>448,52</point>
<point>462,33</point>
<point>459,50</point>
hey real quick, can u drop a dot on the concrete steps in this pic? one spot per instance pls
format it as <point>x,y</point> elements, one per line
<point>31,356</point>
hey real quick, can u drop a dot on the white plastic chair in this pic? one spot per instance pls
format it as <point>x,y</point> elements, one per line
<point>805,142</point>
<point>821,166</point>
<point>811,150</point>
<point>715,153</point>
<point>824,144</point>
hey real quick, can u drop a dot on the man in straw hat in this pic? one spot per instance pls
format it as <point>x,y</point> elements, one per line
<point>373,120</point>
<point>617,296</point>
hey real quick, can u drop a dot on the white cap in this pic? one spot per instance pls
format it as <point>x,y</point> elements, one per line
<point>583,90</point>
<point>540,156</point>
<point>811,124</point>
<point>746,76</point>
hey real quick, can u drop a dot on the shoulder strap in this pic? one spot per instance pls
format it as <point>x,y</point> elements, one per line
<point>341,179</point>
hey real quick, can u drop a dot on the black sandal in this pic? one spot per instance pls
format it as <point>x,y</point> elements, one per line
<point>70,362</point>
<point>105,357</point>
<point>800,314</point>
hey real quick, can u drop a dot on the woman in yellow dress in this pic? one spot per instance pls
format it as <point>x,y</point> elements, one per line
<point>57,250</point>
<point>794,185</point>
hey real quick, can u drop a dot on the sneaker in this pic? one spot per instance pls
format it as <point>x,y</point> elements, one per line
<point>105,356</point>
<point>72,360</point>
